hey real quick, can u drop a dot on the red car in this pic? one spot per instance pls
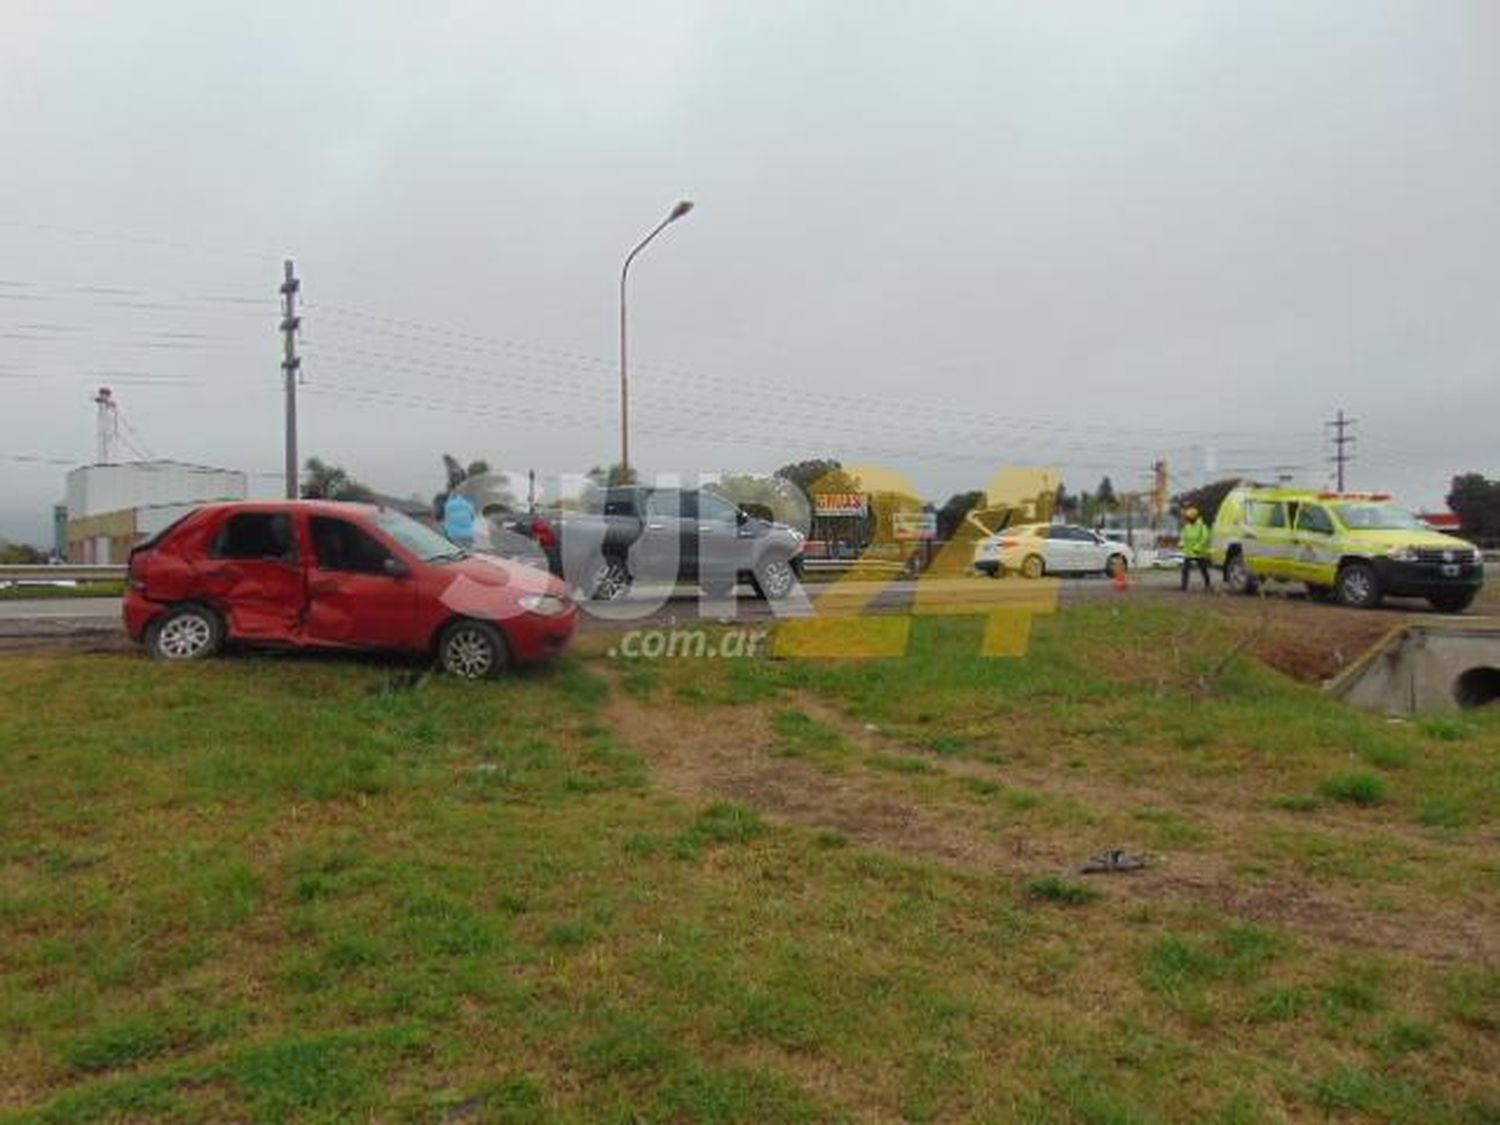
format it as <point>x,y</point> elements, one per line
<point>314,573</point>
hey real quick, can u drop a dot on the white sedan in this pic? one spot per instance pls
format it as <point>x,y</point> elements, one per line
<point>1036,549</point>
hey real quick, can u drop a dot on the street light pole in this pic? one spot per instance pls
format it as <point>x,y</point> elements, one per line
<point>677,212</point>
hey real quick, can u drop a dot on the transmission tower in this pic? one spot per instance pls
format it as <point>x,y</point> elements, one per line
<point>108,426</point>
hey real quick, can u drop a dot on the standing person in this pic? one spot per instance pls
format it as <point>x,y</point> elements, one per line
<point>1195,536</point>
<point>458,519</point>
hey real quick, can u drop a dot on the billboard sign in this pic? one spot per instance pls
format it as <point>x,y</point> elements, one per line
<point>851,505</point>
<point>914,525</point>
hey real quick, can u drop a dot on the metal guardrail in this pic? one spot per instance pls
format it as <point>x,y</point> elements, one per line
<point>65,572</point>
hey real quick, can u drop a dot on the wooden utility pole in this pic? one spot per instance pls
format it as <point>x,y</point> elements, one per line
<point>290,367</point>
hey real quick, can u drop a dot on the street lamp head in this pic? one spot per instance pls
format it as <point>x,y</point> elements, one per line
<point>682,208</point>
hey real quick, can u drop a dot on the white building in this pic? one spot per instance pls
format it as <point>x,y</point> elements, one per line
<point>112,508</point>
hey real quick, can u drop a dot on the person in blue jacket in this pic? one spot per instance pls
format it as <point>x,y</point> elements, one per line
<point>458,519</point>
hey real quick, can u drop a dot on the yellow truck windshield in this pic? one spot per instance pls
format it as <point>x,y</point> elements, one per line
<point>1378,517</point>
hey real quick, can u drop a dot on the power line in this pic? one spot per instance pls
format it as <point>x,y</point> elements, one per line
<point>480,376</point>
<point>775,439</point>
<point>728,413</point>
<point>583,362</point>
<point>94,234</point>
<point>155,465</point>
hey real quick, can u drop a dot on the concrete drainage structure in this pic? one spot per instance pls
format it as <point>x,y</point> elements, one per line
<point>1421,668</point>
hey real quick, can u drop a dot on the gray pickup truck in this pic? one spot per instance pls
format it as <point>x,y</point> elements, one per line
<point>651,535</point>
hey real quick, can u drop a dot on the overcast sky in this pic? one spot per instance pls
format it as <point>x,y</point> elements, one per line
<point>942,236</point>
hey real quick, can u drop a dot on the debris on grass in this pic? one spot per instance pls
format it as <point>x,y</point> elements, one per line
<point>1115,860</point>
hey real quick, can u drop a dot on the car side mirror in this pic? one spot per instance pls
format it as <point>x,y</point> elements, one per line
<point>740,517</point>
<point>395,568</point>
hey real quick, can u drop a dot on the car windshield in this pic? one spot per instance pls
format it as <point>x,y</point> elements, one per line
<point>1378,517</point>
<point>417,538</point>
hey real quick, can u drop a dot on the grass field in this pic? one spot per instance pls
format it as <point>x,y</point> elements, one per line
<point>48,593</point>
<point>284,889</point>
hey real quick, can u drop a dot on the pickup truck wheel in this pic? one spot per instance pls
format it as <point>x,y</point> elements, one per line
<point>1033,567</point>
<point>1237,576</point>
<point>472,650</point>
<point>1358,586</point>
<point>609,580</point>
<point>1452,603</point>
<point>775,579</point>
<point>189,632</point>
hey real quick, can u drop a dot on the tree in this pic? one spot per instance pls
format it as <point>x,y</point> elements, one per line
<point>825,475</point>
<point>616,476</point>
<point>825,472</point>
<point>1206,498</point>
<point>1065,504</point>
<point>950,516</point>
<point>1105,500</point>
<point>1476,501</point>
<point>770,498</point>
<point>457,475</point>
<point>322,481</point>
<point>20,554</point>
<point>1084,513</point>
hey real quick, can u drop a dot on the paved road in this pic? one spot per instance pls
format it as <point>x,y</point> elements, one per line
<point>42,616</point>
<point>655,606</point>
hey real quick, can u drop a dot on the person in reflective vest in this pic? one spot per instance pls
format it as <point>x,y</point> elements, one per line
<point>1195,536</point>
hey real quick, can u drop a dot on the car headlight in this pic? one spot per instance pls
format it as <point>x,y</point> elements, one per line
<point>1402,554</point>
<point>544,605</point>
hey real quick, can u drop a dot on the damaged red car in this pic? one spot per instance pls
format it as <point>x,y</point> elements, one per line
<point>320,574</point>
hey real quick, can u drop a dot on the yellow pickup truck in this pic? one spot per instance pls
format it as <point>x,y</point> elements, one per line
<point>1356,547</point>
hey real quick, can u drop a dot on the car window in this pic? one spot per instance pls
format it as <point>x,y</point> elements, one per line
<point>1379,517</point>
<point>712,507</point>
<point>171,529</point>
<point>1316,519</point>
<point>1265,513</point>
<point>619,502</point>
<point>417,538</point>
<point>257,535</point>
<point>665,503</point>
<point>343,546</point>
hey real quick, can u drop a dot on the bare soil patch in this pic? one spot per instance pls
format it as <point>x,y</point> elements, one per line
<point>727,753</point>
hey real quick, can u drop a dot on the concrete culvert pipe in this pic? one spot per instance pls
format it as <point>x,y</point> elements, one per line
<point>1477,687</point>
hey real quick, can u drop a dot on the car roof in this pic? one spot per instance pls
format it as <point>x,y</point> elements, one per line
<point>1256,492</point>
<point>325,507</point>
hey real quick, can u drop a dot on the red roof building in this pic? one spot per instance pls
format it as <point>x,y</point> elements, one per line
<point>1450,522</point>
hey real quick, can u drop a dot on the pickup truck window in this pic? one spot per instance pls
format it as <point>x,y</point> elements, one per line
<point>1379,517</point>
<point>1265,513</point>
<point>1315,519</point>
<point>665,503</point>
<point>716,508</point>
